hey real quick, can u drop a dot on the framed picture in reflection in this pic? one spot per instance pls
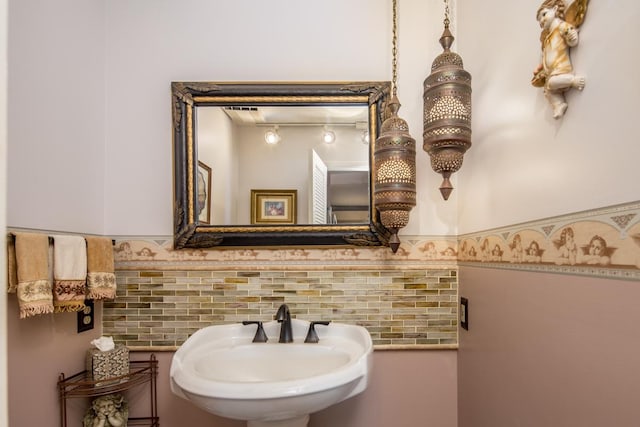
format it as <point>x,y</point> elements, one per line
<point>204,193</point>
<point>273,206</point>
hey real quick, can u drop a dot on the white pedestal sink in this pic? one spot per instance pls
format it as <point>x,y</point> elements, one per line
<point>221,370</point>
<point>290,422</point>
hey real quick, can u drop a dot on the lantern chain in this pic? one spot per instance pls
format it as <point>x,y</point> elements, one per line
<point>394,50</point>
<point>446,13</point>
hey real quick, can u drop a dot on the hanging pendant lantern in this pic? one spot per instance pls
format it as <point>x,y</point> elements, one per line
<point>395,163</point>
<point>395,178</point>
<point>447,111</point>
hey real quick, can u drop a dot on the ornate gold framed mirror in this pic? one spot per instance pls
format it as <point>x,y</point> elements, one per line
<point>227,135</point>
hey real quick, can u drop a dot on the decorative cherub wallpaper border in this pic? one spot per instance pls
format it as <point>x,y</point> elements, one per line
<point>601,242</point>
<point>157,254</point>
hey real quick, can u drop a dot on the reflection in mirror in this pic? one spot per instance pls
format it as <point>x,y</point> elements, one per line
<point>330,176</point>
<point>233,140</point>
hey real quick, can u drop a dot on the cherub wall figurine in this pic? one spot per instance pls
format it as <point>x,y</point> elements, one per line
<point>107,411</point>
<point>555,74</point>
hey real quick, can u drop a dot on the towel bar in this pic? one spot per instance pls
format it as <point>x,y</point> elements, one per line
<point>11,235</point>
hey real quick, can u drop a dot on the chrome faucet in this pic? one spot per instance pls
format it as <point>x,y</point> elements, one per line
<point>283,316</point>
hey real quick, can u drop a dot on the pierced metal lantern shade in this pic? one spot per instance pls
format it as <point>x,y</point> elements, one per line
<point>395,173</point>
<point>447,113</point>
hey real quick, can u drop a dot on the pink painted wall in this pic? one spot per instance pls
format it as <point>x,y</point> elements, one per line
<point>408,388</point>
<point>39,349</point>
<point>548,350</point>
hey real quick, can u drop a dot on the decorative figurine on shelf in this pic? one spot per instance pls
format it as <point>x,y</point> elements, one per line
<point>107,411</point>
<point>555,74</point>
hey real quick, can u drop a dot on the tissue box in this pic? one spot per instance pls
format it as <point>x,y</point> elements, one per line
<point>104,365</point>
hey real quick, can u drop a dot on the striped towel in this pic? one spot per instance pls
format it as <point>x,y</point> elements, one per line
<point>69,273</point>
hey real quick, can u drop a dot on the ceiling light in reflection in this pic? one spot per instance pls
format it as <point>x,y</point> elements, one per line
<point>328,137</point>
<point>365,137</point>
<point>271,136</point>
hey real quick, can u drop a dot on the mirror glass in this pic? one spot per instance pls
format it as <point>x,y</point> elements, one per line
<point>275,164</point>
<point>321,152</point>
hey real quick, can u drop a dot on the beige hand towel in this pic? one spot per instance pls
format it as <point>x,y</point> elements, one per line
<point>101,279</point>
<point>69,273</point>
<point>32,273</point>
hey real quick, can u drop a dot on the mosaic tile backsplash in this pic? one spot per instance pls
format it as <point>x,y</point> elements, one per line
<point>399,307</point>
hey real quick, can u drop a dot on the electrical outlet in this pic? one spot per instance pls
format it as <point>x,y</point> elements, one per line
<point>85,316</point>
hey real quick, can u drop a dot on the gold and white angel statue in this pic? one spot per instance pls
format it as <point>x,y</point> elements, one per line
<point>555,74</point>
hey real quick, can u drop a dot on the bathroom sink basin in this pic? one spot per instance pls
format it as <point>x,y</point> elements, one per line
<point>221,370</point>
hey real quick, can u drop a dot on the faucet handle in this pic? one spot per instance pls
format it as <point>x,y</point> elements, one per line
<point>260,335</point>
<point>312,336</point>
